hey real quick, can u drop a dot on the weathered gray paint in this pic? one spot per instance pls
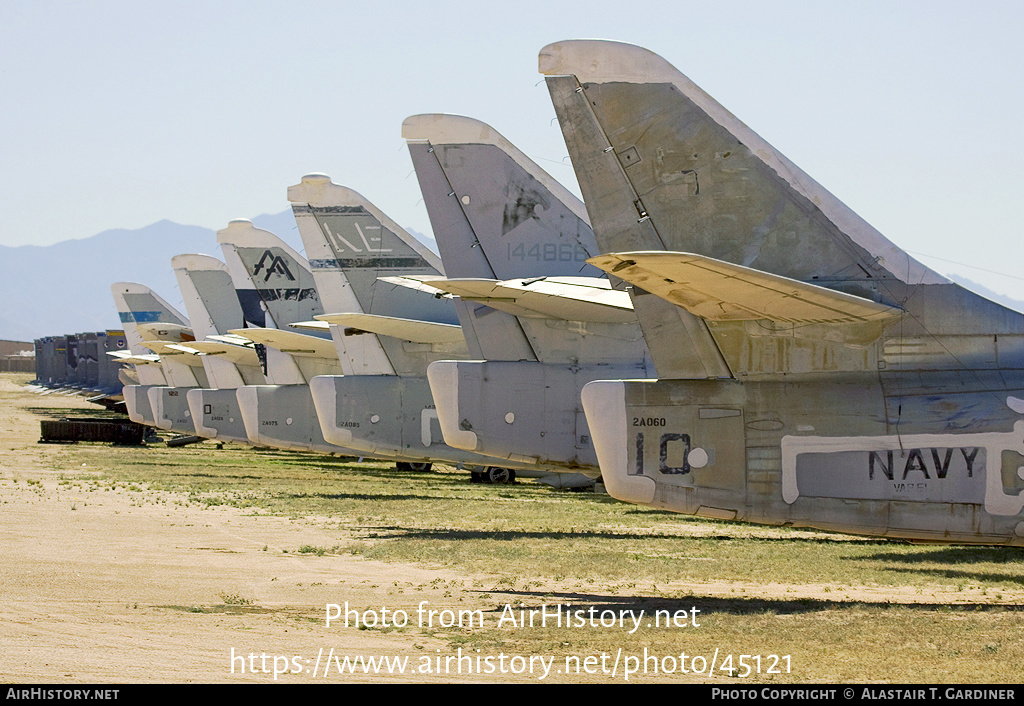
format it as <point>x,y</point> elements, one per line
<point>170,409</point>
<point>815,418</point>
<point>497,215</point>
<point>387,415</point>
<point>283,417</point>
<point>217,415</point>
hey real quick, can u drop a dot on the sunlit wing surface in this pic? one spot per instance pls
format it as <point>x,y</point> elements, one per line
<point>230,339</point>
<point>291,342</point>
<point>417,283</point>
<point>318,326</point>
<point>566,298</point>
<point>238,354</point>
<point>162,331</point>
<point>135,358</point>
<point>167,350</point>
<point>723,291</point>
<point>405,329</point>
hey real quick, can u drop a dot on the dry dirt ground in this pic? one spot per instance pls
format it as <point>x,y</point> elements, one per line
<point>99,588</point>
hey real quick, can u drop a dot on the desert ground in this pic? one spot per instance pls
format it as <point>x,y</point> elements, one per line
<point>209,564</point>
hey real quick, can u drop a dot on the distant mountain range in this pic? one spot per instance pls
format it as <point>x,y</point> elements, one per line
<point>984,291</point>
<point>65,287</point>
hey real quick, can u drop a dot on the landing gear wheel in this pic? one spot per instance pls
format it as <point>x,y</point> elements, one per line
<point>499,475</point>
<point>476,476</point>
<point>422,467</point>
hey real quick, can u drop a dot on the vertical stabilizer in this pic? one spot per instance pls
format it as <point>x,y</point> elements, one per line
<point>275,286</point>
<point>351,243</point>
<point>497,215</point>
<point>137,303</point>
<point>664,167</point>
<point>213,309</point>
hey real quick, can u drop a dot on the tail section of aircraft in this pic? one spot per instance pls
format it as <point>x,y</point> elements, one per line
<point>170,409</point>
<point>664,167</point>
<point>498,216</point>
<point>819,454</point>
<point>273,279</point>
<point>515,243</point>
<point>138,304</point>
<point>502,215</point>
<point>283,417</point>
<point>184,371</point>
<point>217,414</point>
<point>213,309</point>
<point>856,389</point>
<point>274,284</point>
<point>136,402</point>
<point>386,333</point>
<point>351,245</point>
<point>157,326</point>
<point>688,176</point>
<point>387,415</point>
<point>275,289</point>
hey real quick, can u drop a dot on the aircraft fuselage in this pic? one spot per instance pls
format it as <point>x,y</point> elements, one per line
<point>924,456</point>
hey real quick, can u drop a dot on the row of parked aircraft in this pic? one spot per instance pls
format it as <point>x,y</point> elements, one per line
<point>712,333</point>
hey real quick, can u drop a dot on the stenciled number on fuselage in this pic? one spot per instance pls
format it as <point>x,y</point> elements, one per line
<point>548,252</point>
<point>663,443</point>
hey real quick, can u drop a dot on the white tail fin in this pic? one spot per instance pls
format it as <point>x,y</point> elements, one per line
<point>213,309</point>
<point>351,244</point>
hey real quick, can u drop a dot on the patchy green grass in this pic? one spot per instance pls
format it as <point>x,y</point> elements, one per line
<point>529,529</point>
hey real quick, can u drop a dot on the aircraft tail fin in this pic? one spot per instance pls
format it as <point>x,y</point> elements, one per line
<point>351,245</point>
<point>344,234</point>
<point>664,167</point>
<point>495,213</point>
<point>138,304</point>
<point>208,293</point>
<point>498,216</point>
<point>213,309</point>
<point>688,176</point>
<point>268,275</point>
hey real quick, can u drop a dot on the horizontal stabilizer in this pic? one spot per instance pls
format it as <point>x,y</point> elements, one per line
<point>291,342</point>
<point>417,283</point>
<point>446,129</point>
<point>565,298</point>
<point>231,339</point>
<point>164,331</point>
<point>173,351</point>
<point>312,325</point>
<point>723,291</point>
<point>405,329</point>
<point>232,352</point>
<point>135,358</point>
<point>187,349</point>
<point>161,347</point>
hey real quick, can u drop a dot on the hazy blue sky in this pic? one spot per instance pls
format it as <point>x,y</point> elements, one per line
<point>119,114</point>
